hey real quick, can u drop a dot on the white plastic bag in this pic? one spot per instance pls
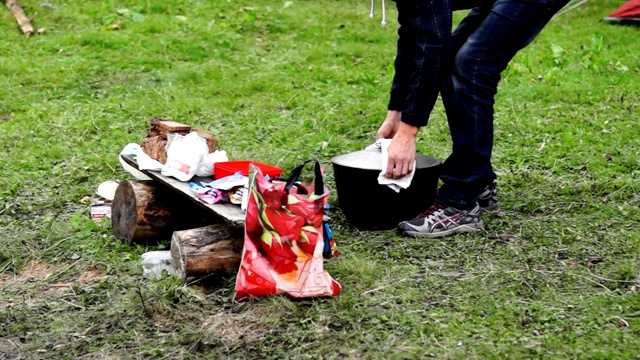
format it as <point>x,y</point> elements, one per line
<point>133,150</point>
<point>206,165</point>
<point>184,154</point>
<point>154,263</point>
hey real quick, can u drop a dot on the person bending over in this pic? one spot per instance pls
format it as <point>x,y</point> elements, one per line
<point>481,47</point>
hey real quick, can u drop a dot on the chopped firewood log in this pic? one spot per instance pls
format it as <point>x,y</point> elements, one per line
<point>155,147</point>
<point>155,143</point>
<point>197,253</point>
<point>143,212</point>
<point>153,132</point>
<point>167,126</point>
<point>21,17</point>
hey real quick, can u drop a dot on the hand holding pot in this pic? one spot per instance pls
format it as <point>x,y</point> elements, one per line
<point>402,151</point>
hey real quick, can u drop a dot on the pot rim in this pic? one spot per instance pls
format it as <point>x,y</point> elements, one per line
<point>371,159</point>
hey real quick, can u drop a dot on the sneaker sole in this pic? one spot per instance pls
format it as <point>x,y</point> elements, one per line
<point>455,230</point>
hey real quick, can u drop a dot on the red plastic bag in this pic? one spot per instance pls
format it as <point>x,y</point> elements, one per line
<point>283,240</point>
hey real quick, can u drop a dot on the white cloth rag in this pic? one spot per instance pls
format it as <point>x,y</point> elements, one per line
<point>395,184</point>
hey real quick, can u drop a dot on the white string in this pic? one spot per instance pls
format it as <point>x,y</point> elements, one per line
<point>567,8</point>
<point>384,12</point>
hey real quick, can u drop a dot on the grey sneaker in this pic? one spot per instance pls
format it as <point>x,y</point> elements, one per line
<point>440,220</point>
<point>488,200</point>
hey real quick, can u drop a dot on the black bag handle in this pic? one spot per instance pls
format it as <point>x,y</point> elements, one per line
<point>295,175</point>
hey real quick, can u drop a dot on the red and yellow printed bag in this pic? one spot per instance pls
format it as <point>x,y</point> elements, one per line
<point>283,241</point>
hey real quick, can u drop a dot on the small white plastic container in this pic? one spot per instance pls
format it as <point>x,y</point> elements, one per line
<point>155,263</point>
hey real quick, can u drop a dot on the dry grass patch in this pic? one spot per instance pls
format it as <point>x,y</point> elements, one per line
<point>36,271</point>
<point>250,326</point>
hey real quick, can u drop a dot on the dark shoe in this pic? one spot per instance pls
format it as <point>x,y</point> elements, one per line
<point>488,200</point>
<point>440,220</point>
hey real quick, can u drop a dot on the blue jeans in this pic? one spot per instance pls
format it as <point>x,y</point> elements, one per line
<point>482,46</point>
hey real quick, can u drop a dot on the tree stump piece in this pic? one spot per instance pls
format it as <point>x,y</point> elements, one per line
<point>142,211</point>
<point>196,253</point>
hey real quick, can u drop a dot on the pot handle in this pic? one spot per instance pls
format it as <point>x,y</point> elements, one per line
<point>318,179</point>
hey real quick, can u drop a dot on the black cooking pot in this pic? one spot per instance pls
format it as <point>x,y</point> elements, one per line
<point>371,206</point>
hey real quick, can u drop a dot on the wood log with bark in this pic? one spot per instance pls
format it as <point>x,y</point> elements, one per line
<point>155,143</point>
<point>197,253</point>
<point>144,212</point>
<point>21,18</point>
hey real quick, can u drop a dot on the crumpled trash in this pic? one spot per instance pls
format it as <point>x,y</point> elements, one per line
<point>229,182</point>
<point>184,154</point>
<point>156,263</point>
<point>208,194</point>
<point>205,168</point>
<point>107,189</point>
<point>144,161</point>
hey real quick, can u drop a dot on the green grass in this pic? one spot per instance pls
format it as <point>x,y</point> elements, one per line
<point>556,275</point>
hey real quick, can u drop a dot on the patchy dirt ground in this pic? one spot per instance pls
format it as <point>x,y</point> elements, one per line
<point>36,271</point>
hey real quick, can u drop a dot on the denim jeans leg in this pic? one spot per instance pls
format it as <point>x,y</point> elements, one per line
<point>508,27</point>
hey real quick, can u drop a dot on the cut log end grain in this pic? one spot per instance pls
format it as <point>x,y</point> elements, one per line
<point>143,212</point>
<point>140,211</point>
<point>155,147</point>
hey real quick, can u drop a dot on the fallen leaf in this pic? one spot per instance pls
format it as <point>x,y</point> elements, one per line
<point>622,322</point>
<point>113,27</point>
<point>137,17</point>
<point>508,238</point>
<point>594,260</point>
<point>572,266</point>
<point>87,200</point>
